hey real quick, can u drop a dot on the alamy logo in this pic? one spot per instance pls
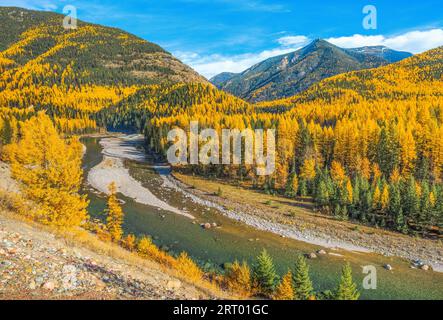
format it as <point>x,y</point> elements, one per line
<point>247,146</point>
<point>370,20</point>
<point>70,20</point>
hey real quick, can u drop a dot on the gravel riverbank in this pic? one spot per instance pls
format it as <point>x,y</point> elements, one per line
<point>112,169</point>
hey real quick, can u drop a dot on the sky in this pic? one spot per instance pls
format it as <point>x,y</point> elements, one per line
<point>214,36</point>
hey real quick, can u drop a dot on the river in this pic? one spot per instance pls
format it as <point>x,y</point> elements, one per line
<point>235,240</point>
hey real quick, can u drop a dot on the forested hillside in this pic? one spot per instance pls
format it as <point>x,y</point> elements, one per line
<point>72,74</point>
<point>365,145</point>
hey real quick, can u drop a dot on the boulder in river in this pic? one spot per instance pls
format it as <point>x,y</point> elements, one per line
<point>388,267</point>
<point>312,255</point>
<point>206,226</point>
<point>321,252</point>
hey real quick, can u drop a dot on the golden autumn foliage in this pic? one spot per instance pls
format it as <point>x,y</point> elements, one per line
<point>115,215</point>
<point>376,198</point>
<point>384,201</point>
<point>130,242</point>
<point>49,168</point>
<point>308,172</point>
<point>338,172</point>
<point>284,290</point>
<point>188,268</point>
<point>238,279</point>
<point>147,249</point>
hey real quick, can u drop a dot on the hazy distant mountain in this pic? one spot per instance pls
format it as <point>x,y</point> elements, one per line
<point>288,74</point>
<point>221,78</point>
<point>382,52</point>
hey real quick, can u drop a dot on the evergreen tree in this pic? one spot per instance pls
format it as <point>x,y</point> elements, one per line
<point>292,186</point>
<point>347,289</point>
<point>264,276</point>
<point>411,201</point>
<point>400,222</point>
<point>425,207</point>
<point>303,188</point>
<point>322,194</point>
<point>301,281</point>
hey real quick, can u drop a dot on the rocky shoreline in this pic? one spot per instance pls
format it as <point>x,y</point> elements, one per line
<point>35,264</point>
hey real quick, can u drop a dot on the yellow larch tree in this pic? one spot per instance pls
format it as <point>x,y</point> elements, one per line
<point>49,169</point>
<point>238,279</point>
<point>384,200</point>
<point>284,290</point>
<point>115,215</point>
<point>307,171</point>
<point>408,151</point>
<point>376,199</point>
<point>338,173</point>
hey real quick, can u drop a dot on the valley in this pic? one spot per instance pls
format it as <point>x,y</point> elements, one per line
<point>353,137</point>
<point>236,238</point>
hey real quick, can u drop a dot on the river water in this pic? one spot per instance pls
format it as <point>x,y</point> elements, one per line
<point>234,240</point>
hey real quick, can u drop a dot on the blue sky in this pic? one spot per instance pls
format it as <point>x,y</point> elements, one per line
<point>232,35</point>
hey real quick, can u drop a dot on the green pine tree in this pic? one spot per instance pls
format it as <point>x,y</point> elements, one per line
<point>347,289</point>
<point>263,273</point>
<point>423,218</point>
<point>322,194</point>
<point>303,188</point>
<point>303,289</point>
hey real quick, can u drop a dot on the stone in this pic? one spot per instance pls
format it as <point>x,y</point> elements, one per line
<point>312,255</point>
<point>32,285</point>
<point>388,267</point>
<point>69,269</point>
<point>99,285</point>
<point>322,252</point>
<point>173,284</point>
<point>425,267</point>
<point>214,225</point>
<point>49,286</point>
<point>206,226</point>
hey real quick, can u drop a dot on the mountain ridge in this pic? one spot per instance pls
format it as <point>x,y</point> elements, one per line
<point>100,52</point>
<point>288,74</point>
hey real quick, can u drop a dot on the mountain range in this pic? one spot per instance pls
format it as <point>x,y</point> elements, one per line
<point>286,75</point>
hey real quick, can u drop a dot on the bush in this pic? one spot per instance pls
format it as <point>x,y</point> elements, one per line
<point>188,268</point>
<point>147,249</point>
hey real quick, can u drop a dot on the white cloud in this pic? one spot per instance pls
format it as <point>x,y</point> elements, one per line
<point>414,41</point>
<point>292,40</point>
<point>214,64</point>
